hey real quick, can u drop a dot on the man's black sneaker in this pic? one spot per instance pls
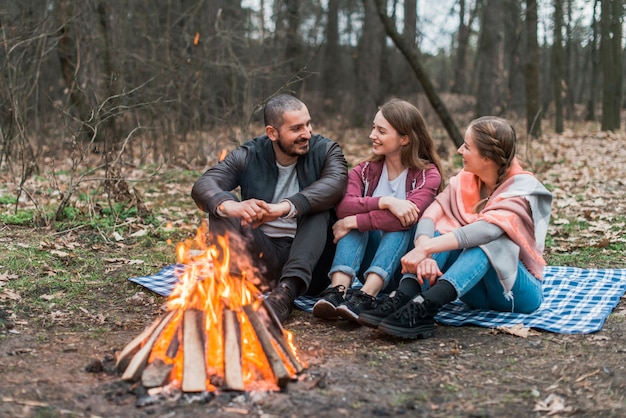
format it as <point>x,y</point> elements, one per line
<point>383,308</point>
<point>358,302</point>
<point>326,306</point>
<point>416,319</point>
<point>281,301</point>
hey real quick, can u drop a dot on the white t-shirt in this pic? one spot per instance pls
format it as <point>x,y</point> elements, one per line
<point>395,188</point>
<point>286,185</point>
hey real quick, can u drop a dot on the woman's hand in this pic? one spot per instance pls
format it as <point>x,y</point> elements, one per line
<point>405,210</point>
<point>428,269</point>
<point>343,226</point>
<point>412,259</point>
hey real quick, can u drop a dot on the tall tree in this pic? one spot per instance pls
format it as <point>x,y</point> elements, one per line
<point>331,52</point>
<point>557,66</point>
<point>611,53</point>
<point>595,65</point>
<point>490,59</point>
<point>459,85</point>
<point>532,76</point>
<point>369,64</point>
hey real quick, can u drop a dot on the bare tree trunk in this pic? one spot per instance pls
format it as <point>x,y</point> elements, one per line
<point>459,85</point>
<point>611,53</point>
<point>331,54</point>
<point>490,59</point>
<point>410,20</point>
<point>410,52</point>
<point>532,79</point>
<point>113,89</point>
<point>70,65</point>
<point>369,64</point>
<point>569,70</point>
<point>595,65</point>
<point>293,47</point>
<point>557,66</point>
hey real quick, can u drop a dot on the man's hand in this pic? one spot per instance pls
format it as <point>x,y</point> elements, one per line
<point>405,210</point>
<point>276,210</point>
<point>343,226</point>
<point>250,211</point>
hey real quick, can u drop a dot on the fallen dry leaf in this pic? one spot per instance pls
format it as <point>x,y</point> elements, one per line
<point>517,329</point>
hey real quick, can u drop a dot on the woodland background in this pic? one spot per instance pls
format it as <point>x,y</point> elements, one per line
<point>153,82</point>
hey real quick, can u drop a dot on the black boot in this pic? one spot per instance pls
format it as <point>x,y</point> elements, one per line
<point>281,301</point>
<point>416,319</point>
<point>383,308</point>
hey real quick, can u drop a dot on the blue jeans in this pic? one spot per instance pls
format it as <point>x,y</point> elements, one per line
<point>378,251</point>
<point>477,283</point>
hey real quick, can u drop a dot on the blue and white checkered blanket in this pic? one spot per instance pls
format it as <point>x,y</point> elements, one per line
<point>576,301</point>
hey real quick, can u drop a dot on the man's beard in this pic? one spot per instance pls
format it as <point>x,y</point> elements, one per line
<point>291,150</point>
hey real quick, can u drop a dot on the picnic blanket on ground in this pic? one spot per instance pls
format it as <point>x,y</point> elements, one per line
<point>576,301</point>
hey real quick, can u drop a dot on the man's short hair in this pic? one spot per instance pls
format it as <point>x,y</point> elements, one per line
<point>276,107</point>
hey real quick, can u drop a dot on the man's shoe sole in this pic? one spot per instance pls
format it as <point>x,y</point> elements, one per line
<point>423,331</point>
<point>324,310</point>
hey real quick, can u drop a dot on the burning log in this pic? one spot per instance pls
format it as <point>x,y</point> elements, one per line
<point>156,373</point>
<point>233,378</point>
<point>277,331</point>
<point>278,367</point>
<point>131,349</point>
<point>194,366</point>
<point>140,359</point>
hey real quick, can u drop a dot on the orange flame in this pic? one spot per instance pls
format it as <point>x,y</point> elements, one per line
<point>207,285</point>
<point>196,39</point>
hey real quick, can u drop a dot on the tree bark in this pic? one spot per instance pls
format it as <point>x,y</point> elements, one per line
<point>411,54</point>
<point>532,79</point>
<point>595,65</point>
<point>331,53</point>
<point>69,59</point>
<point>459,85</point>
<point>490,59</point>
<point>611,56</point>
<point>369,64</point>
<point>557,66</point>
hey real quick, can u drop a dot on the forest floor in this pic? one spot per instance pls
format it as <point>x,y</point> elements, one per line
<point>56,357</point>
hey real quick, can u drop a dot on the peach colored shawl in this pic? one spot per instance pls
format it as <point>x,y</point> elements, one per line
<point>520,206</point>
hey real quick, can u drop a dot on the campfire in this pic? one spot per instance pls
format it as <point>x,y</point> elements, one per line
<point>218,332</point>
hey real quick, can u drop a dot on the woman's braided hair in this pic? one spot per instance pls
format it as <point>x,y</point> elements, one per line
<point>495,139</point>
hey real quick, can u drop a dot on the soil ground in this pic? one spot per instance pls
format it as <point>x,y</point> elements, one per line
<point>57,365</point>
<point>352,371</point>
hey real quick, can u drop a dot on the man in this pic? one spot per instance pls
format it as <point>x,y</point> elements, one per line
<point>289,181</point>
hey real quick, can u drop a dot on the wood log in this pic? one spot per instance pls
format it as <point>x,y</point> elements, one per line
<point>156,374</point>
<point>131,348</point>
<point>278,333</point>
<point>233,375</point>
<point>276,363</point>
<point>138,363</point>
<point>194,363</point>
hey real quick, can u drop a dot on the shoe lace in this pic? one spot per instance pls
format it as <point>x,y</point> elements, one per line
<point>359,297</point>
<point>391,303</point>
<point>411,312</point>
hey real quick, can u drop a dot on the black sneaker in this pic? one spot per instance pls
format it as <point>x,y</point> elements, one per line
<point>281,301</point>
<point>383,308</point>
<point>326,306</point>
<point>416,319</point>
<point>358,302</point>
